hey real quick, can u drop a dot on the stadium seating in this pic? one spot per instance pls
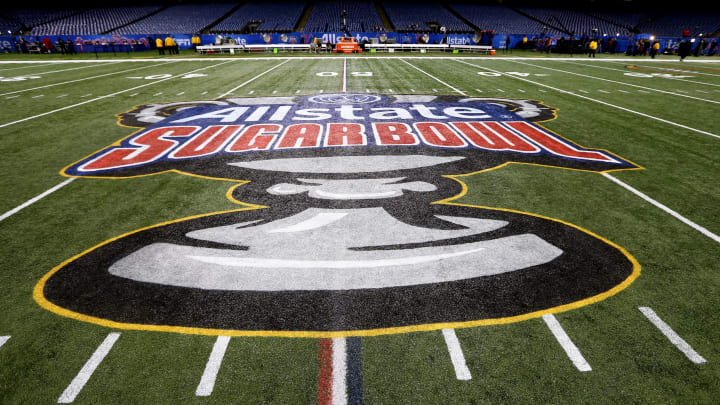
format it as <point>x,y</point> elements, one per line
<point>414,17</point>
<point>498,18</point>
<point>362,16</point>
<point>178,19</point>
<point>275,16</point>
<point>574,22</point>
<point>673,24</point>
<point>95,21</point>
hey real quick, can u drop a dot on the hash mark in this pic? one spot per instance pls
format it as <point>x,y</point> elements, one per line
<point>87,95</point>
<point>41,95</point>
<point>181,93</point>
<point>61,96</point>
<point>570,349</point>
<point>643,91</point>
<point>501,90</point>
<point>274,92</point>
<point>435,90</point>
<point>673,337</point>
<point>8,98</point>
<point>203,93</point>
<point>623,91</point>
<point>134,94</point>
<point>521,90</point>
<point>207,382</point>
<point>88,369</point>
<point>157,94</point>
<point>583,91</point>
<point>478,90</point>
<point>297,92</point>
<point>251,92</point>
<point>3,340</point>
<point>462,372</point>
<point>603,91</point>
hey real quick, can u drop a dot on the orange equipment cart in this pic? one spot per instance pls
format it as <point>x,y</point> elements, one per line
<point>347,45</point>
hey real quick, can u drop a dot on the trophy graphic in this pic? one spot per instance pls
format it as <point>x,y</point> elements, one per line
<point>354,229</point>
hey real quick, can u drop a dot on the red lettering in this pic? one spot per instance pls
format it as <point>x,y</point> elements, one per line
<point>345,134</point>
<point>394,133</point>
<point>207,142</point>
<point>255,137</point>
<point>439,134</point>
<point>556,146</point>
<point>301,136</point>
<point>147,147</point>
<point>491,135</point>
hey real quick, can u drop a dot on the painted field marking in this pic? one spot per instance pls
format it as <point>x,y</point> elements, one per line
<point>106,96</point>
<point>84,78</point>
<point>207,382</point>
<point>38,96</point>
<point>643,91</point>
<point>181,93</point>
<point>625,71</point>
<point>157,94</point>
<point>600,102</point>
<point>390,90</point>
<point>521,90</point>
<point>87,95</point>
<point>663,207</point>
<point>619,82</point>
<point>682,71</point>
<point>583,91</point>
<point>88,369</point>
<point>367,90</point>
<point>501,90</point>
<point>412,90</point>
<point>603,91</point>
<point>623,91</point>
<point>36,198</point>
<point>30,65</point>
<point>322,91</point>
<point>681,91</point>
<point>673,337</point>
<point>542,91</point>
<point>344,75</point>
<point>436,79</point>
<point>61,96</point>
<point>570,349</point>
<point>297,92</point>
<point>478,90</point>
<point>339,371</point>
<point>462,372</point>
<point>250,80</point>
<point>702,91</point>
<point>3,340</point>
<point>134,94</point>
<point>251,92</point>
<point>274,92</point>
<point>75,68</point>
<point>203,93</point>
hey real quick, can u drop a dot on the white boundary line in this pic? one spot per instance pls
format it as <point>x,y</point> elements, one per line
<point>339,371</point>
<point>30,65</point>
<point>88,369</point>
<point>673,337</point>
<point>438,80</point>
<point>243,84</point>
<point>572,351</point>
<point>661,77</point>
<point>618,82</point>
<point>344,76</point>
<point>3,340</point>
<point>663,207</point>
<point>107,95</point>
<point>485,58</point>
<point>462,372</point>
<point>81,79</point>
<point>597,101</point>
<point>207,382</point>
<point>684,71</point>
<point>36,199</point>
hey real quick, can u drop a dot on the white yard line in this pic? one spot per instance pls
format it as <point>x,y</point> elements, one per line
<point>30,65</point>
<point>36,199</point>
<point>625,71</point>
<point>107,96</point>
<point>207,382</point>
<point>673,337</point>
<point>436,79</point>
<point>339,371</point>
<point>88,369</point>
<point>344,75</point>
<point>462,372</point>
<point>619,82</point>
<point>598,101</point>
<point>248,81</point>
<point>663,207</point>
<point>683,71</point>
<point>82,79</point>
<point>572,351</point>
<point>3,340</point>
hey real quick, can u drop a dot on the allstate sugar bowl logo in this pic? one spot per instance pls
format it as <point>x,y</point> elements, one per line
<point>353,230</point>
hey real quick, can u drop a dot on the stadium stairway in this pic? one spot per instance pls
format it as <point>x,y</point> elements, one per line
<point>304,17</point>
<point>207,28</point>
<point>547,23</point>
<point>134,21</point>
<point>383,16</point>
<point>461,18</point>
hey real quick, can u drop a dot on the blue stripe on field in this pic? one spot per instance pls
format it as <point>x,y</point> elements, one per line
<point>354,371</point>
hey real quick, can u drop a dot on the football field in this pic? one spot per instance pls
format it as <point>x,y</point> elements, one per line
<point>353,266</point>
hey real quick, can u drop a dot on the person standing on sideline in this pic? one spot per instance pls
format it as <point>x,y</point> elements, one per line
<point>168,44</point>
<point>195,41</point>
<point>684,49</point>
<point>654,49</point>
<point>592,48</point>
<point>160,46</point>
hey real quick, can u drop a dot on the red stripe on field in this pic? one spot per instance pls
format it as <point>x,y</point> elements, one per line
<point>325,373</point>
